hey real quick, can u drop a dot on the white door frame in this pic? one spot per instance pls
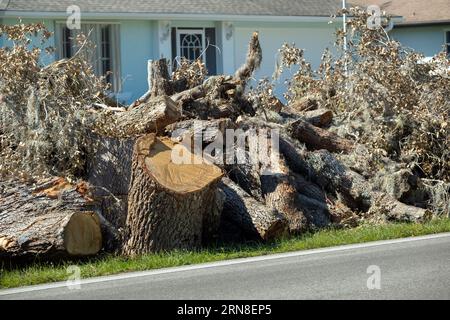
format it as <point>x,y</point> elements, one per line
<point>191,31</point>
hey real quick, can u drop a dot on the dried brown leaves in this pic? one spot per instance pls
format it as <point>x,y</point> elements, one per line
<point>391,100</point>
<point>45,112</point>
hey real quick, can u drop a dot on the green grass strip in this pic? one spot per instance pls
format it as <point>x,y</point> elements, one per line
<point>39,273</point>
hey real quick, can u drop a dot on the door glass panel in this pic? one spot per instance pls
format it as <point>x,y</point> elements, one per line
<point>191,45</point>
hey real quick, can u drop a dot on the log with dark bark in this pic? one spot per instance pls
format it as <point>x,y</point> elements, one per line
<point>251,216</point>
<point>307,103</point>
<point>52,219</point>
<point>319,118</point>
<point>151,116</point>
<point>358,192</point>
<point>210,131</point>
<point>252,63</point>
<point>246,174</point>
<point>170,205</point>
<point>280,193</point>
<point>206,109</point>
<point>161,85</point>
<point>316,138</point>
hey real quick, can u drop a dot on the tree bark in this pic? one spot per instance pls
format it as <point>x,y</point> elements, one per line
<point>280,193</point>
<point>316,138</point>
<point>152,116</point>
<point>169,204</point>
<point>305,104</point>
<point>161,84</point>
<point>319,118</point>
<point>255,219</point>
<point>358,192</point>
<point>51,220</point>
<point>252,63</point>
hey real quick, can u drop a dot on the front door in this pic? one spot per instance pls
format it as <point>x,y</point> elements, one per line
<point>191,44</point>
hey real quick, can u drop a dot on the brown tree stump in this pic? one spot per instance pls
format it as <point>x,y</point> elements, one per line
<point>170,206</point>
<point>49,220</point>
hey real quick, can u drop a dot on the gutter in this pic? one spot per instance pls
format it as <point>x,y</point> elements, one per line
<point>158,16</point>
<point>423,24</point>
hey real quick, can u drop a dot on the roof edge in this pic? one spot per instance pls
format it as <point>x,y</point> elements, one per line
<point>422,23</point>
<point>162,16</point>
<point>4,4</point>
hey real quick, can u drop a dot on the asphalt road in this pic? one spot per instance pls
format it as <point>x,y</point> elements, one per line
<point>414,268</point>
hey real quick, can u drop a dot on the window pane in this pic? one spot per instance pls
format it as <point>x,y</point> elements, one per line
<point>106,52</point>
<point>67,43</point>
<point>191,45</point>
<point>448,36</point>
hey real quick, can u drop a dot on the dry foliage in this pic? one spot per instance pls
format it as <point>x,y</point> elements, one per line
<point>391,100</point>
<point>386,97</point>
<point>193,72</point>
<point>45,109</point>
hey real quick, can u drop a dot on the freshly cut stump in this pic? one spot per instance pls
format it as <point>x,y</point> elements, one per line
<point>49,219</point>
<point>170,205</point>
<point>50,234</point>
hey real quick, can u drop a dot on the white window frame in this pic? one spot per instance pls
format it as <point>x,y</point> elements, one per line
<point>201,31</point>
<point>115,48</point>
<point>447,44</point>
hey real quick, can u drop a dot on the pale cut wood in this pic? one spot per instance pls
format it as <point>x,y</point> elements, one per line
<point>170,206</point>
<point>49,220</point>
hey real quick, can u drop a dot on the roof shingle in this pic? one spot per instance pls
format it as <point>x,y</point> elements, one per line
<point>212,7</point>
<point>413,11</point>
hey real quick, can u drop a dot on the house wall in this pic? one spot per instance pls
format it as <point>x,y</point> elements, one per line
<point>427,40</point>
<point>141,40</point>
<point>136,48</point>
<point>49,24</point>
<point>314,38</point>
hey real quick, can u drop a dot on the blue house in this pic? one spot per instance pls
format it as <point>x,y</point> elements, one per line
<point>424,25</point>
<point>128,33</point>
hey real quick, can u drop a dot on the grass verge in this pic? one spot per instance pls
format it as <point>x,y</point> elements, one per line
<point>39,273</point>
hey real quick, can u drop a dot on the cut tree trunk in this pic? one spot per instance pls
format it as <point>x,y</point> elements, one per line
<point>316,138</point>
<point>280,193</point>
<point>50,221</point>
<point>170,205</point>
<point>152,116</point>
<point>251,216</point>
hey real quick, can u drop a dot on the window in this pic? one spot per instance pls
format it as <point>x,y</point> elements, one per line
<point>447,42</point>
<point>196,43</point>
<point>104,57</point>
<point>191,44</point>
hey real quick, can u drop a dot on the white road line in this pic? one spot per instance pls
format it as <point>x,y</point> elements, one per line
<point>223,263</point>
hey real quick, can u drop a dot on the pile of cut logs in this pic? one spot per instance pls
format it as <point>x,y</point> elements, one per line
<point>138,199</point>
